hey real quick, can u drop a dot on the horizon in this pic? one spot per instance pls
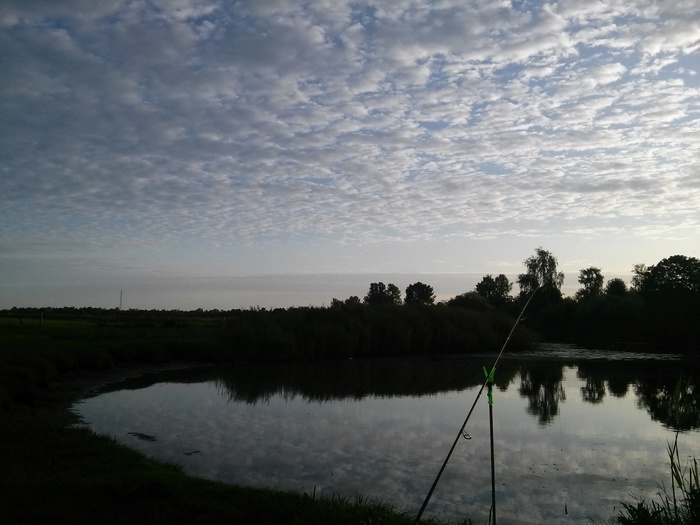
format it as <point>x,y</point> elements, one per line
<point>279,291</point>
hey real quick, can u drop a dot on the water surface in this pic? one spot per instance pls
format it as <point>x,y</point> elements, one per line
<point>576,430</point>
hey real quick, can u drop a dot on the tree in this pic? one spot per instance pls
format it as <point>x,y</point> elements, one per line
<point>336,303</point>
<point>615,288</point>
<point>496,290</point>
<point>592,281</point>
<point>351,301</point>
<point>674,275</point>
<point>541,272</point>
<point>471,301</point>
<point>381,294</point>
<point>419,293</point>
<point>639,271</point>
<point>671,293</point>
<point>394,294</point>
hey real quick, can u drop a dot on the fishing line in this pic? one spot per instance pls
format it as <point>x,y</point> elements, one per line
<point>461,432</point>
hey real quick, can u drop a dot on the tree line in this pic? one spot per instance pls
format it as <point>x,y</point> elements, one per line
<point>661,306</point>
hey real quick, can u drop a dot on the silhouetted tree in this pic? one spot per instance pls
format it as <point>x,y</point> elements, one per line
<point>381,294</point>
<point>541,271</point>
<point>639,271</point>
<point>677,274</point>
<point>671,293</point>
<point>471,300</point>
<point>353,300</point>
<point>496,290</point>
<point>394,293</point>
<point>592,281</point>
<point>615,288</point>
<point>350,301</point>
<point>419,293</point>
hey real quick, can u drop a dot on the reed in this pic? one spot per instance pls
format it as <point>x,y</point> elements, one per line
<point>678,506</point>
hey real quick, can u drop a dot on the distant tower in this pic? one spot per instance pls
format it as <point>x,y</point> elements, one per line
<point>120,299</point>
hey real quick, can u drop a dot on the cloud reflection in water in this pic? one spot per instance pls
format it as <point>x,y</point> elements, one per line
<point>555,447</point>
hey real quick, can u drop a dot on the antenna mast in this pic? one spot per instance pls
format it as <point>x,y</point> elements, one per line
<point>120,299</point>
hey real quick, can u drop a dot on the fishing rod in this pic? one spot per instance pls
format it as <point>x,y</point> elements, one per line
<point>489,378</point>
<point>489,394</point>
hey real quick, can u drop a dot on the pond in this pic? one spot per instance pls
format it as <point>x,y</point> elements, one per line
<point>576,430</point>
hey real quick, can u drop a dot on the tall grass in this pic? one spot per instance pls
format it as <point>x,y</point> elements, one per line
<point>679,505</point>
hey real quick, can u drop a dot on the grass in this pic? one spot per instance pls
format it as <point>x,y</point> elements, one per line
<point>679,505</point>
<point>53,472</point>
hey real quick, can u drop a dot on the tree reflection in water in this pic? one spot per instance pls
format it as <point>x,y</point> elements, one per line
<point>665,388</point>
<point>676,406</point>
<point>594,389</point>
<point>542,386</point>
<point>392,445</point>
<point>655,381</point>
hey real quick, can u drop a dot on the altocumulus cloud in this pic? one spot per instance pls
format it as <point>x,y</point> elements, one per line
<point>133,125</point>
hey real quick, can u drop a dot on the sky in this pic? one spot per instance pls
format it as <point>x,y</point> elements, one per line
<point>280,153</point>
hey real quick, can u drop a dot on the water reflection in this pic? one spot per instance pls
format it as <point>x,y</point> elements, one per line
<point>676,405</point>
<point>654,378</point>
<point>348,379</point>
<point>382,428</point>
<point>594,389</point>
<point>666,388</point>
<point>542,386</point>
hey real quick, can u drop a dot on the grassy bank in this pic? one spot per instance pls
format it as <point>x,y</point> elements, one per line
<point>38,346</point>
<point>51,472</point>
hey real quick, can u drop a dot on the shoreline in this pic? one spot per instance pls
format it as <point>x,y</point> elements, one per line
<point>53,470</point>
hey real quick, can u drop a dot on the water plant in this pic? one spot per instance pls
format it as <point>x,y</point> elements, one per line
<point>678,506</point>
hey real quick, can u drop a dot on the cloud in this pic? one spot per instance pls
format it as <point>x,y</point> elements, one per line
<point>129,123</point>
